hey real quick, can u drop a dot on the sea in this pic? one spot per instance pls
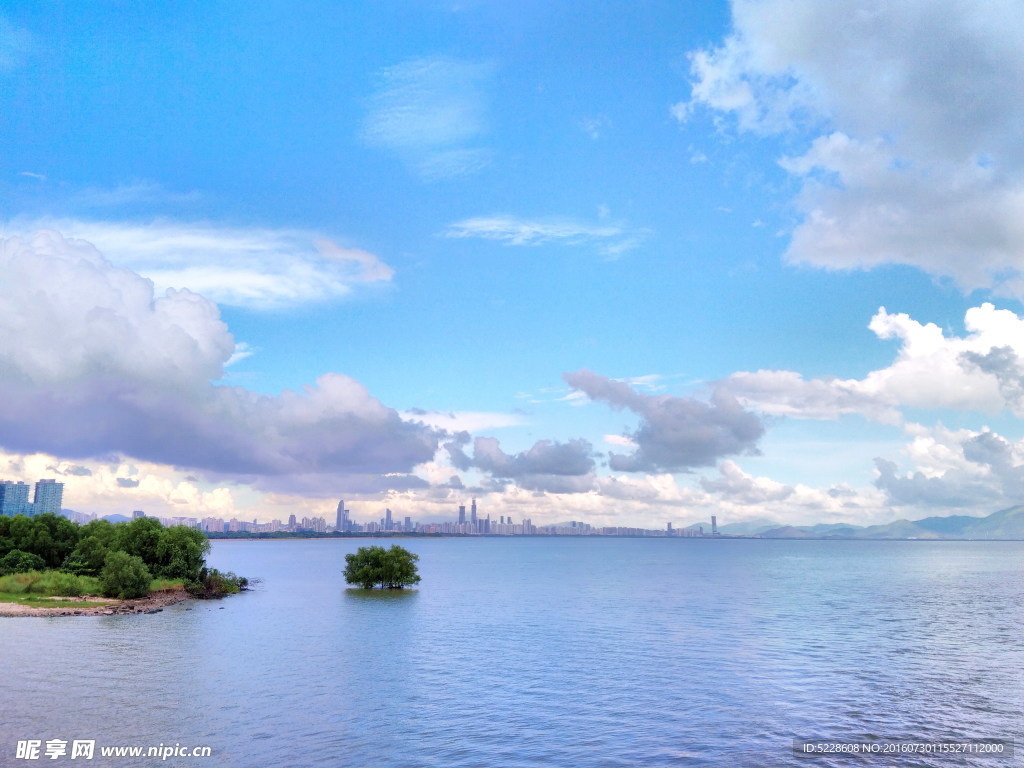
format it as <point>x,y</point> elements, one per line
<point>547,651</point>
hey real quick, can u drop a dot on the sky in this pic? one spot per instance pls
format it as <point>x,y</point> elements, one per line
<point>624,262</point>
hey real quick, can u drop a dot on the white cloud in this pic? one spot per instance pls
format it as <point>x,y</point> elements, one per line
<point>464,421</point>
<point>91,363</point>
<point>256,268</point>
<point>912,113</point>
<point>610,239</point>
<point>104,487</point>
<point>621,441</point>
<point>982,372</point>
<point>955,469</point>
<point>431,112</point>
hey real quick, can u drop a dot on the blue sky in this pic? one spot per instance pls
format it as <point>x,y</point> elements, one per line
<point>621,262</point>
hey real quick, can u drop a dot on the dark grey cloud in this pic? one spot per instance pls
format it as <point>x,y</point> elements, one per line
<point>547,466</point>
<point>73,470</point>
<point>91,363</point>
<point>675,433</point>
<point>1005,365</point>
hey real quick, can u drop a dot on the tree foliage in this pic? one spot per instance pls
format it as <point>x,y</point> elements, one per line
<point>124,575</point>
<point>140,537</point>
<point>371,567</point>
<point>87,558</point>
<point>17,561</point>
<point>48,542</point>
<point>181,553</point>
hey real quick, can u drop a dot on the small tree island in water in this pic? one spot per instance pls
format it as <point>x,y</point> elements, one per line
<point>371,567</point>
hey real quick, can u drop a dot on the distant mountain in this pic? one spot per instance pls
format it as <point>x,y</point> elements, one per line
<point>745,528</point>
<point>116,518</point>
<point>1005,524</point>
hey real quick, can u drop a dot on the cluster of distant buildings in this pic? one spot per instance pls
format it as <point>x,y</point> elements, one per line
<point>48,497</point>
<point>469,522</point>
<point>49,494</point>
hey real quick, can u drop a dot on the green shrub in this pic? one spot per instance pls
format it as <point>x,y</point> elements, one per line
<point>17,561</point>
<point>19,583</point>
<point>124,576</point>
<point>212,583</point>
<point>50,583</point>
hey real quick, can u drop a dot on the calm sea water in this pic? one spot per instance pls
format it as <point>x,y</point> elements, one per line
<point>544,652</point>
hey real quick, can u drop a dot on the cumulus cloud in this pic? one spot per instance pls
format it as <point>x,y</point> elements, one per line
<point>962,468</point>
<point>547,466</point>
<point>609,239</point>
<point>675,433</point>
<point>92,363</point>
<point>981,371</point>
<point>431,112</point>
<point>256,268</point>
<point>911,111</point>
<point>738,485</point>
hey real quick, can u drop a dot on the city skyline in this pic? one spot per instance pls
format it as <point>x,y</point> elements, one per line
<point>752,259</point>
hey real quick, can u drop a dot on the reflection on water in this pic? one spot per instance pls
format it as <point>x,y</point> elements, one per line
<point>544,652</point>
<point>380,595</point>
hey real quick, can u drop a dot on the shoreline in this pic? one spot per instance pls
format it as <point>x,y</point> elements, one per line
<point>153,603</point>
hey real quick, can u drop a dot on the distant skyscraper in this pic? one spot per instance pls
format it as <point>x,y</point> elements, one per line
<point>472,514</point>
<point>341,524</point>
<point>387,519</point>
<point>291,522</point>
<point>14,498</point>
<point>714,525</point>
<point>138,513</point>
<point>408,523</point>
<point>462,514</point>
<point>48,498</point>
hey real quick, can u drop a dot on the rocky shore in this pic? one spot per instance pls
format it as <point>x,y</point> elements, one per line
<point>153,603</point>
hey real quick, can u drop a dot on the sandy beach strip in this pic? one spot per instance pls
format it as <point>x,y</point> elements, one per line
<point>153,603</point>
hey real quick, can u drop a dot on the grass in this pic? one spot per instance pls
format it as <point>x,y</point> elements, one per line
<point>42,601</point>
<point>38,588</point>
<point>166,585</point>
<point>48,583</point>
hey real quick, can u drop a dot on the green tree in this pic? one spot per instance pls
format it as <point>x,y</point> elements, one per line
<point>17,561</point>
<point>124,575</point>
<point>50,536</point>
<point>87,558</point>
<point>104,530</point>
<point>181,552</point>
<point>371,567</point>
<point>140,537</point>
<point>6,542</point>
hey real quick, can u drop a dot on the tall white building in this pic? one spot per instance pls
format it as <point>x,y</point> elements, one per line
<point>49,496</point>
<point>14,498</point>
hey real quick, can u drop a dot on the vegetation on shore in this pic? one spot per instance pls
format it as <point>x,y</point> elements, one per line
<point>371,567</point>
<point>49,555</point>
